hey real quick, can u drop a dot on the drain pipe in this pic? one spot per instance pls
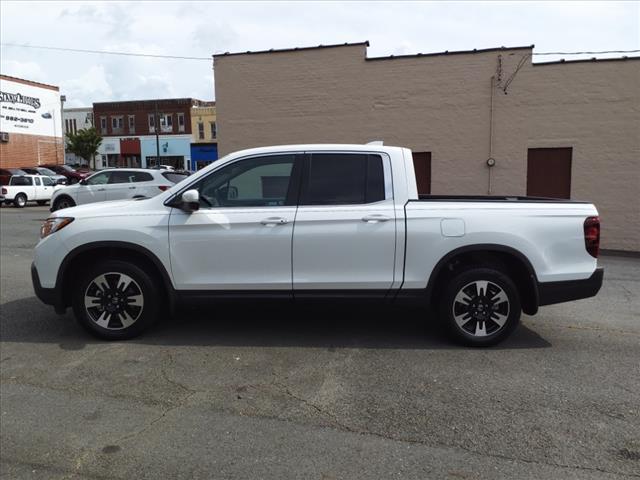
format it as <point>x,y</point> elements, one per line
<point>491,161</point>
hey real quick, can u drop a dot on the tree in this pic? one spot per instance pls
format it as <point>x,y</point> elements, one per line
<point>84,143</point>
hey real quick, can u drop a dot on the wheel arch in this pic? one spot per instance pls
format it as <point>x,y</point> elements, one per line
<point>81,256</point>
<point>511,261</point>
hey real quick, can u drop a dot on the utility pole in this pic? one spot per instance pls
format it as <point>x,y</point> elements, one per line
<point>157,128</point>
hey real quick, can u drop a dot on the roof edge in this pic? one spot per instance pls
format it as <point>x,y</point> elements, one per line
<point>30,82</point>
<point>294,49</point>
<point>454,52</point>
<point>586,60</point>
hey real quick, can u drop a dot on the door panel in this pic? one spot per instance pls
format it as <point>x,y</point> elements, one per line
<point>94,190</point>
<point>240,238</point>
<point>349,244</point>
<point>335,248</point>
<point>231,249</point>
<point>549,172</point>
<point>120,185</point>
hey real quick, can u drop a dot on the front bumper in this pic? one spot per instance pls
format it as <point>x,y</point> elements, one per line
<point>558,292</point>
<point>48,296</point>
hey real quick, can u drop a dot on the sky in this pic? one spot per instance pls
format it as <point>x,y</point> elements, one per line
<point>200,29</point>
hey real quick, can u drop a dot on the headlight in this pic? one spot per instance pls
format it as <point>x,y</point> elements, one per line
<point>52,225</point>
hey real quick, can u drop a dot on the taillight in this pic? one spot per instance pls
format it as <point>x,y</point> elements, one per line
<point>4,191</point>
<point>592,235</point>
<point>163,187</point>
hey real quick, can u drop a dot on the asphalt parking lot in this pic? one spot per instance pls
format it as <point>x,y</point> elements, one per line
<point>249,391</point>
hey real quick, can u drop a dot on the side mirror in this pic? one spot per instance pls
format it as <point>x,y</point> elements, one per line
<point>190,201</point>
<point>83,181</point>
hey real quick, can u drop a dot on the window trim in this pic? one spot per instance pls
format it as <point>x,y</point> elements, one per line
<point>181,121</point>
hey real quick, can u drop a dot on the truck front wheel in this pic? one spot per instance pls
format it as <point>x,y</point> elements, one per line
<point>480,306</point>
<point>115,300</point>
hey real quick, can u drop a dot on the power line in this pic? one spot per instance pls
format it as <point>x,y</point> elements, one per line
<point>180,57</point>
<point>104,52</point>
<point>585,53</point>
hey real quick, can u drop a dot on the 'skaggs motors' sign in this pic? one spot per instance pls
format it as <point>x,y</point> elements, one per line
<point>29,109</point>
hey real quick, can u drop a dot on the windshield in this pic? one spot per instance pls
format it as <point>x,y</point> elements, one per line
<point>46,171</point>
<point>68,168</point>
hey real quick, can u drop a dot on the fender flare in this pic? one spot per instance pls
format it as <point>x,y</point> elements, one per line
<point>486,247</point>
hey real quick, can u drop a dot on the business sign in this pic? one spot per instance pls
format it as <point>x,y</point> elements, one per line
<point>29,110</point>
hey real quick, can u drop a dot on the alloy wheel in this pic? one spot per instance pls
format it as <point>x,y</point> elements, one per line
<point>114,300</point>
<point>481,308</point>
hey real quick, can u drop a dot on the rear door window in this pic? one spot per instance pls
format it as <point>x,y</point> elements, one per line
<point>37,180</point>
<point>121,176</point>
<point>343,179</point>
<point>141,177</point>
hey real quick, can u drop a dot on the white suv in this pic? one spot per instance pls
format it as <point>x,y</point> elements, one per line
<point>116,184</point>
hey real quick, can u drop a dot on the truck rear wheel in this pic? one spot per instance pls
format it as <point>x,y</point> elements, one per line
<point>480,306</point>
<point>115,300</point>
<point>20,200</point>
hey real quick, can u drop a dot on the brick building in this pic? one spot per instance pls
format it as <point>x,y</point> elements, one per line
<point>128,129</point>
<point>568,129</point>
<point>30,123</point>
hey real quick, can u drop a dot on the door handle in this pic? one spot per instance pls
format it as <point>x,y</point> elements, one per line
<point>132,188</point>
<point>101,189</point>
<point>375,218</point>
<point>273,221</point>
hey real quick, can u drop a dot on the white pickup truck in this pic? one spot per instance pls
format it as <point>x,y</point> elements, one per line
<point>318,221</point>
<point>29,188</point>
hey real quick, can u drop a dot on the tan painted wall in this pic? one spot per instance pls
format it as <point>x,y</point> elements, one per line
<point>441,104</point>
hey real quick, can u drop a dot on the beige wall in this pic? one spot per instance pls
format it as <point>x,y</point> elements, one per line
<point>441,104</point>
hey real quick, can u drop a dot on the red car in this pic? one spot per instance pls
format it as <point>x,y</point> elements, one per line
<point>7,173</point>
<point>73,175</point>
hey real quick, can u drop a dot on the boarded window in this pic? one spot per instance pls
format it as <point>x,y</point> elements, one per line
<point>422,167</point>
<point>549,172</point>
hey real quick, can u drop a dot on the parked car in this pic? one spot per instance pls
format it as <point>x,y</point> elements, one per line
<point>72,175</point>
<point>57,178</point>
<point>115,184</point>
<point>318,222</point>
<point>28,188</point>
<point>7,173</point>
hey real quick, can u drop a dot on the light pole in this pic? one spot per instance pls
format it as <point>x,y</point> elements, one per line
<point>157,128</point>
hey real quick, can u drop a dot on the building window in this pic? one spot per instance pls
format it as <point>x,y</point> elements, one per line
<point>117,124</point>
<point>200,130</point>
<point>214,129</point>
<point>152,123</point>
<point>75,126</point>
<point>66,125</point>
<point>132,124</point>
<point>166,122</point>
<point>103,125</point>
<point>181,122</point>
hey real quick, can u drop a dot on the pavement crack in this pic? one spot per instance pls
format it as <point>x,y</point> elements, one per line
<point>155,420</point>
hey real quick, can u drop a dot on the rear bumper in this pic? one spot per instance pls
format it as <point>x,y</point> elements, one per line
<point>48,296</point>
<point>558,292</point>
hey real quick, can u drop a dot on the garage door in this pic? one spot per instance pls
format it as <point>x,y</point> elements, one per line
<point>422,166</point>
<point>549,172</point>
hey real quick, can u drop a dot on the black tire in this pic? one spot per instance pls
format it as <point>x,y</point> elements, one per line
<point>42,202</point>
<point>111,317</point>
<point>64,201</point>
<point>20,200</point>
<point>478,314</point>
